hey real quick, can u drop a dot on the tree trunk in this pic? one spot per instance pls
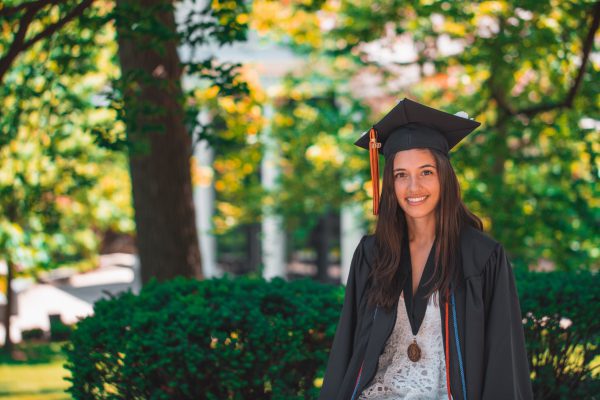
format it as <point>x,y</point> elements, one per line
<point>253,246</point>
<point>8,344</point>
<point>160,147</point>
<point>323,244</point>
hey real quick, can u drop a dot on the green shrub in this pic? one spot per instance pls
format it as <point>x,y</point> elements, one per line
<point>562,328</point>
<point>250,339</point>
<point>59,331</point>
<point>215,339</point>
<point>32,334</point>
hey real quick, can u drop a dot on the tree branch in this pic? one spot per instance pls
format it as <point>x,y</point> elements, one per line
<point>75,12</point>
<point>587,47</point>
<point>19,44</point>
<point>39,4</point>
<point>19,39</point>
<point>567,102</point>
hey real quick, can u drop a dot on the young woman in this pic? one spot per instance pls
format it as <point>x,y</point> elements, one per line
<point>431,310</point>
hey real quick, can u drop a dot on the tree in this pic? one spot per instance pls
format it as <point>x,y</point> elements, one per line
<point>159,159</point>
<point>316,124</point>
<point>33,22</point>
<point>523,69</point>
<point>158,127</point>
<point>155,115</point>
<point>55,198</point>
<point>57,194</point>
<point>235,135</point>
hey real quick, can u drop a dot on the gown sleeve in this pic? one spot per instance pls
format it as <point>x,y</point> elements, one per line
<point>342,348</point>
<point>506,373</point>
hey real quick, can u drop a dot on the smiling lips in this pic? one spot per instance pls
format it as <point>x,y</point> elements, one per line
<point>413,201</point>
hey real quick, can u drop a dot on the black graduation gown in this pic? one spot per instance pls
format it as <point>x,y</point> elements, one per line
<point>489,326</point>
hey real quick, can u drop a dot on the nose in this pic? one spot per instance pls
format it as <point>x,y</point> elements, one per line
<point>413,183</point>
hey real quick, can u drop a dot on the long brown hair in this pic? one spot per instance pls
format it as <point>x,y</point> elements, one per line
<point>451,216</point>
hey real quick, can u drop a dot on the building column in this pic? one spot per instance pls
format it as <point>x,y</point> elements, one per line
<point>204,199</point>
<point>273,234</point>
<point>351,228</point>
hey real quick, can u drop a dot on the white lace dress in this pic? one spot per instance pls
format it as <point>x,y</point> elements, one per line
<point>399,378</point>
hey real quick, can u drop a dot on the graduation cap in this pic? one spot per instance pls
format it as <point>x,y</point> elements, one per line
<point>411,125</point>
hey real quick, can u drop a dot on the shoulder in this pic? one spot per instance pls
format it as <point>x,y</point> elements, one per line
<point>368,243</point>
<point>478,249</point>
<point>477,237</point>
<point>364,257</point>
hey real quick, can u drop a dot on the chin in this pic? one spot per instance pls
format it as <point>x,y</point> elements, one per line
<point>417,215</point>
<point>409,211</point>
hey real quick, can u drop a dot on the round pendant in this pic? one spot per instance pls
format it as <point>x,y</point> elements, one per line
<point>414,352</point>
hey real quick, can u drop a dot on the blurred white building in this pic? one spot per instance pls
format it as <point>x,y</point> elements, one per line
<point>67,294</point>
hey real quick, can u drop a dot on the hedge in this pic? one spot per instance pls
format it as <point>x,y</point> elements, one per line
<point>561,311</point>
<point>246,338</point>
<point>214,339</point>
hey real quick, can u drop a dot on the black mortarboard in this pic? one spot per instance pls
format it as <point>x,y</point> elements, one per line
<point>410,125</point>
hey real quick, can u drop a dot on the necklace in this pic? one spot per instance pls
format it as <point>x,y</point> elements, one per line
<point>414,351</point>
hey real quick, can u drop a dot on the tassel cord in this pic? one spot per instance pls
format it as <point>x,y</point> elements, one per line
<point>374,146</point>
<point>460,362</point>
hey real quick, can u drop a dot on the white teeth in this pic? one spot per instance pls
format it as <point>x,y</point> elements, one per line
<point>415,199</point>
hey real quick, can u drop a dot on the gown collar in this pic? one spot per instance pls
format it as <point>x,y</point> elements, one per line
<point>416,305</point>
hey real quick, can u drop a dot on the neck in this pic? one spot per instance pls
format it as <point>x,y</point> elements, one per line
<point>421,230</point>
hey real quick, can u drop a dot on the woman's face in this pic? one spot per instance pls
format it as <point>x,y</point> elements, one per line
<point>416,183</point>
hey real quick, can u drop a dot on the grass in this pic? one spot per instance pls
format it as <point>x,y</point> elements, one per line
<point>39,376</point>
<point>33,382</point>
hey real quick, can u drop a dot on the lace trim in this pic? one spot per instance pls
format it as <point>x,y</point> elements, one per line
<point>399,378</point>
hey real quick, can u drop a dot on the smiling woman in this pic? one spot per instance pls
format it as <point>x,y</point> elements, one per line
<point>431,310</point>
<point>416,182</point>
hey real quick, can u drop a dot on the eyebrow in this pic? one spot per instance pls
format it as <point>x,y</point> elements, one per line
<point>422,166</point>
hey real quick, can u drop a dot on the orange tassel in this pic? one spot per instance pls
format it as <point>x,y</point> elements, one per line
<point>374,160</point>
